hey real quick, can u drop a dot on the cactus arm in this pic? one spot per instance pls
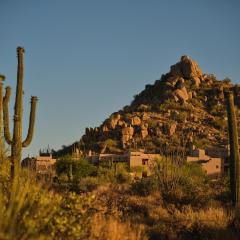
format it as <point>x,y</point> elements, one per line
<point>31,122</point>
<point>6,99</point>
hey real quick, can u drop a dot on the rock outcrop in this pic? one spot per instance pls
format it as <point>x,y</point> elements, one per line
<point>181,93</point>
<point>144,130</point>
<point>188,69</point>
<point>183,106</point>
<point>135,121</point>
<point>127,134</point>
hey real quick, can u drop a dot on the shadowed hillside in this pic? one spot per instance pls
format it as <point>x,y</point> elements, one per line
<point>184,107</point>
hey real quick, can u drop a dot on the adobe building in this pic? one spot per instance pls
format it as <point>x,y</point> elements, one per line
<point>211,165</point>
<point>140,163</point>
<point>110,158</point>
<point>43,166</point>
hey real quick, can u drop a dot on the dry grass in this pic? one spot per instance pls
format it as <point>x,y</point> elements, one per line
<point>111,228</point>
<point>172,220</point>
<point>25,209</point>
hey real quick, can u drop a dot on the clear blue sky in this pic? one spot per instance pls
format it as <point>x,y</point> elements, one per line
<point>86,59</point>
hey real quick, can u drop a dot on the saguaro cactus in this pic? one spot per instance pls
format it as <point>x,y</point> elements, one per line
<point>2,78</point>
<point>16,141</point>
<point>234,149</point>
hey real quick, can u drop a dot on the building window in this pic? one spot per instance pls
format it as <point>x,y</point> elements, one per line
<point>217,166</point>
<point>144,161</point>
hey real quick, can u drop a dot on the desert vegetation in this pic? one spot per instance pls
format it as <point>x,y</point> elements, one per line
<point>104,203</point>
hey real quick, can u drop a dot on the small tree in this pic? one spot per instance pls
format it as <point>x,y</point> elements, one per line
<point>75,169</point>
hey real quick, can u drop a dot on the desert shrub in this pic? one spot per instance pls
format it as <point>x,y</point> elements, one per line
<point>172,104</point>
<point>196,103</point>
<point>226,80</point>
<point>80,168</point>
<point>89,183</point>
<point>63,165</point>
<point>149,144</point>
<point>83,169</point>
<point>110,142</point>
<point>72,218</point>
<point>113,173</point>
<point>26,208</point>
<point>29,210</point>
<point>207,223</point>
<point>181,182</point>
<point>218,110</point>
<point>167,173</point>
<point>123,177</point>
<point>152,123</point>
<point>144,108</point>
<point>122,173</point>
<point>106,174</point>
<point>137,170</point>
<point>127,109</point>
<point>181,117</point>
<point>210,223</point>
<point>84,185</point>
<point>201,143</point>
<point>112,145</point>
<point>112,228</point>
<point>145,186</point>
<point>219,123</point>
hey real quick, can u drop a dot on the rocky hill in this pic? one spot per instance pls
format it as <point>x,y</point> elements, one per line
<point>184,107</point>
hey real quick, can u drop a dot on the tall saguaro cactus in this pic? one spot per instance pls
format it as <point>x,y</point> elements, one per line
<point>234,163</point>
<point>2,78</point>
<point>16,141</point>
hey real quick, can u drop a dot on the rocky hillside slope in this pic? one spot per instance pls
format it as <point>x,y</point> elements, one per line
<point>184,107</point>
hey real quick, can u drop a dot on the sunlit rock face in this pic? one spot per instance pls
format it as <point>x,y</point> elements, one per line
<point>188,69</point>
<point>184,107</point>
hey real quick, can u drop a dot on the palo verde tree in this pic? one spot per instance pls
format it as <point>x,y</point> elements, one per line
<point>15,141</point>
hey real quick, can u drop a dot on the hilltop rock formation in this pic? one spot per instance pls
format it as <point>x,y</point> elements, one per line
<point>184,107</point>
<point>188,69</point>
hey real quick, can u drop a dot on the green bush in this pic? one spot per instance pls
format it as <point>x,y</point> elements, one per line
<point>181,117</point>
<point>86,184</point>
<point>196,103</point>
<point>72,218</point>
<point>106,174</point>
<point>80,168</point>
<point>113,173</point>
<point>172,176</point>
<point>123,177</point>
<point>171,104</point>
<point>202,143</point>
<point>122,173</point>
<point>145,186</point>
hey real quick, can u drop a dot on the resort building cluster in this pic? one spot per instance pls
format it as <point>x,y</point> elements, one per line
<point>141,164</point>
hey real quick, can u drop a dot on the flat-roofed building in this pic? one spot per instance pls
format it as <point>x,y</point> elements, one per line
<point>43,166</point>
<point>211,165</point>
<point>139,162</point>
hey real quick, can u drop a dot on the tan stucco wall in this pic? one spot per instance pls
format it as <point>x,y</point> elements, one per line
<point>213,166</point>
